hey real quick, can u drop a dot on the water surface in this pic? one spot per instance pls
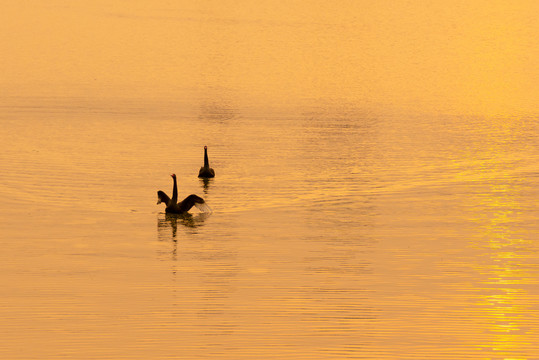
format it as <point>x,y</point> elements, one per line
<point>375,193</point>
<point>336,232</point>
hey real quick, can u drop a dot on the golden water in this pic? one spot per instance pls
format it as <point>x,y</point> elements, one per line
<point>359,209</point>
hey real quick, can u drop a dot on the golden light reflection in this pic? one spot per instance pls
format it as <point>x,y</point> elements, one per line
<point>503,295</point>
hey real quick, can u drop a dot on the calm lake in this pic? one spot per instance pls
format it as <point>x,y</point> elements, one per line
<point>344,225</point>
<point>335,233</point>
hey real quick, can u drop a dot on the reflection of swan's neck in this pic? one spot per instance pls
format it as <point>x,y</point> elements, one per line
<point>206,162</point>
<point>174,191</point>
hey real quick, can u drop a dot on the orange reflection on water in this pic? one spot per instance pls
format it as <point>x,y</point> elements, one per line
<point>504,299</point>
<point>464,56</point>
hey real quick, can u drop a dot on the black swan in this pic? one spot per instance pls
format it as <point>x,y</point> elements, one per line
<point>175,207</point>
<point>206,171</point>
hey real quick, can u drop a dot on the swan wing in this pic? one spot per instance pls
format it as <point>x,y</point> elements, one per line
<point>162,198</point>
<point>203,207</point>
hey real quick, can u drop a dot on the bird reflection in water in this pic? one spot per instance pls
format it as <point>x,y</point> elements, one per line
<point>171,221</point>
<point>167,226</point>
<point>206,182</point>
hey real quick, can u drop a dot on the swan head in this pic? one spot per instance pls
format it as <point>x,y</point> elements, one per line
<point>205,147</point>
<point>173,176</point>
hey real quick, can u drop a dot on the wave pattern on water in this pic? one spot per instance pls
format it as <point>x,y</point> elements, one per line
<point>334,233</point>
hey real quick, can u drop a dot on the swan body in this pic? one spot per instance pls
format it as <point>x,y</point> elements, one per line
<point>175,207</point>
<point>206,171</point>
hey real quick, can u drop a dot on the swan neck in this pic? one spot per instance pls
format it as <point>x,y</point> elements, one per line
<point>175,192</point>
<point>206,162</point>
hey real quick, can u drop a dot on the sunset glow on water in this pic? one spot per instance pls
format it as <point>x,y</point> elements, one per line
<point>375,193</point>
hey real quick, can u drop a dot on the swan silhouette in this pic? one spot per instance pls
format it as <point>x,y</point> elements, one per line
<point>206,171</point>
<point>175,207</point>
